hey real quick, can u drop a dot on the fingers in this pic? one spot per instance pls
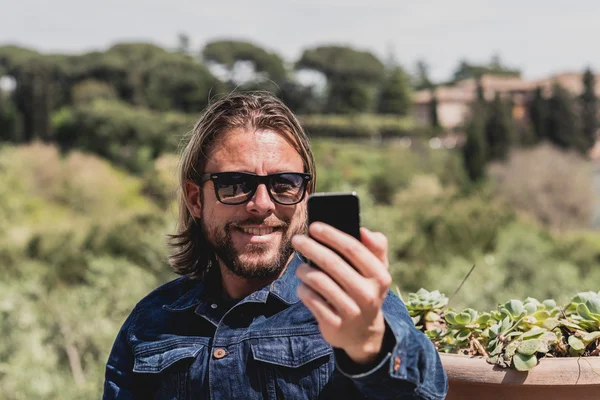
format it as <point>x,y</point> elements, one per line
<point>326,288</point>
<point>331,263</point>
<point>377,243</point>
<point>365,261</point>
<point>322,312</point>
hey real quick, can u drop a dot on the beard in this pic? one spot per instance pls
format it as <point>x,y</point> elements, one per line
<point>262,266</point>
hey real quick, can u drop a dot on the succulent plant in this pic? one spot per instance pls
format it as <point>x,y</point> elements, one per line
<point>516,334</point>
<point>426,308</point>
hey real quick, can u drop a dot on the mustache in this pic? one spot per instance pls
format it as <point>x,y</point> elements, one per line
<point>273,223</point>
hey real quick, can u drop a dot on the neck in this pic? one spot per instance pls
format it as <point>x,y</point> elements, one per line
<point>236,287</point>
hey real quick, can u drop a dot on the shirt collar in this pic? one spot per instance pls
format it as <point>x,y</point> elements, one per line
<point>284,288</point>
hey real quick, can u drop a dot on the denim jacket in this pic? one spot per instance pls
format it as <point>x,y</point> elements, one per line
<point>179,343</point>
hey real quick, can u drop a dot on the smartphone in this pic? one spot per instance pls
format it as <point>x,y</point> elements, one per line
<point>340,210</point>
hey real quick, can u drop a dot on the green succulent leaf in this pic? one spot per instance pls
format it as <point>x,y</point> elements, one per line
<point>590,337</point>
<point>530,308</point>
<point>550,323</point>
<point>576,343</point>
<point>541,315</point>
<point>584,311</point>
<point>523,362</point>
<point>549,304</point>
<point>532,346</point>
<point>593,305</point>
<point>533,333</point>
<point>463,335</point>
<point>483,318</point>
<point>466,317</point>
<point>450,318</point>
<point>514,307</point>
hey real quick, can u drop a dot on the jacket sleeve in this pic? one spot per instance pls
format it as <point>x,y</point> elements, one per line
<point>119,379</point>
<point>410,368</point>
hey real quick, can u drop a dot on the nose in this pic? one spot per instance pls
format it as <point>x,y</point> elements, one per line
<point>261,203</point>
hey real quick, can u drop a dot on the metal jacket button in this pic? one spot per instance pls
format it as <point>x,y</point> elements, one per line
<point>219,353</point>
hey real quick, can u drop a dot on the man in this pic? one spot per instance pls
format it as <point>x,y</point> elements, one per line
<point>250,319</point>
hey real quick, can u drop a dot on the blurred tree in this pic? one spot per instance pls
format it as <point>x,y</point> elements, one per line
<point>229,53</point>
<point>35,96</point>
<point>499,130</point>
<point>561,123</point>
<point>466,70</point>
<point>135,59</point>
<point>179,83</point>
<point>183,43</point>
<point>395,95</point>
<point>9,119</point>
<point>433,110</point>
<point>90,90</point>
<point>352,76</point>
<point>422,79</point>
<point>538,113</point>
<point>589,109</point>
<point>475,149</point>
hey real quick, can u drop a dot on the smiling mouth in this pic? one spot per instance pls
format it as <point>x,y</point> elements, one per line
<point>257,231</point>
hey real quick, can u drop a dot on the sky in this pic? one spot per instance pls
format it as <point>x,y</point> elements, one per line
<point>538,37</point>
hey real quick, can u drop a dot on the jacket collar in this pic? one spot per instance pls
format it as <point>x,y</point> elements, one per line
<point>283,288</point>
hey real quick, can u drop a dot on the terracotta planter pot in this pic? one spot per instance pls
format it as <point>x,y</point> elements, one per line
<point>552,378</point>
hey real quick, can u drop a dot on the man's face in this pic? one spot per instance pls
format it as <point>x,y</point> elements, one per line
<point>253,239</point>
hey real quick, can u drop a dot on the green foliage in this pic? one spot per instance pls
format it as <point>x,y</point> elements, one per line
<point>90,89</point>
<point>475,149</point>
<point>562,128</point>
<point>517,333</point>
<point>342,62</point>
<point>538,113</point>
<point>362,126</point>
<point>129,136</point>
<point>466,70</point>
<point>499,130</point>
<point>179,84</point>
<point>395,96</point>
<point>589,110</point>
<point>230,52</point>
<point>9,119</point>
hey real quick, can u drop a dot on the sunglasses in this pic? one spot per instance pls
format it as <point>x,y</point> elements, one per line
<point>233,188</point>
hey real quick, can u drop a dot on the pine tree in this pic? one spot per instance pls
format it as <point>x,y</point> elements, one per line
<point>589,110</point>
<point>474,150</point>
<point>561,123</point>
<point>538,113</point>
<point>499,130</point>
<point>395,94</point>
<point>433,110</point>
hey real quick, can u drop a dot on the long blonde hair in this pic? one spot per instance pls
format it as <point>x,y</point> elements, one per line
<point>191,252</point>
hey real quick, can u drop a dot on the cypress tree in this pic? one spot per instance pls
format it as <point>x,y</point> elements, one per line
<point>499,130</point>
<point>589,110</point>
<point>561,123</point>
<point>474,150</point>
<point>433,112</point>
<point>538,114</point>
<point>395,94</point>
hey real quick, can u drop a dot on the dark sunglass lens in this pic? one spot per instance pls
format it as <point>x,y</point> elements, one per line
<point>234,188</point>
<point>287,188</point>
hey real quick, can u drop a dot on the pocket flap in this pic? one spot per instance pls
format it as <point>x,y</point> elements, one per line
<point>292,352</point>
<point>155,357</point>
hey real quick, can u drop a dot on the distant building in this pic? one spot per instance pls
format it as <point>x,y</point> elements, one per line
<point>454,101</point>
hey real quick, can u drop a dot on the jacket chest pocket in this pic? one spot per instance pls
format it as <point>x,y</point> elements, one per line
<point>296,367</point>
<point>163,367</point>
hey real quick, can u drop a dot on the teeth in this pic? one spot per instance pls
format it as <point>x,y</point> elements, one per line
<point>257,231</point>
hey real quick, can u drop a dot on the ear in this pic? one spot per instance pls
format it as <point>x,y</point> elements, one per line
<point>192,198</point>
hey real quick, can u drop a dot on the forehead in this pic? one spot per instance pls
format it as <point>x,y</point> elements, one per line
<point>261,151</point>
